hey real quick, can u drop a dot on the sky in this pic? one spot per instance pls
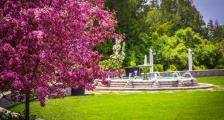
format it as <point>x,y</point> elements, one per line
<point>211,9</point>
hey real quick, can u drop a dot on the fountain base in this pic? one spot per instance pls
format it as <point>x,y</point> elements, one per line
<point>161,84</point>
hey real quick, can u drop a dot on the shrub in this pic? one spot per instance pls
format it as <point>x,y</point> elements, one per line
<point>201,67</point>
<point>144,69</point>
<point>172,68</point>
<point>158,67</point>
<point>219,66</point>
<point>132,63</point>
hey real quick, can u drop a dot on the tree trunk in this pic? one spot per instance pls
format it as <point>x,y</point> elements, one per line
<point>27,99</point>
<point>27,106</point>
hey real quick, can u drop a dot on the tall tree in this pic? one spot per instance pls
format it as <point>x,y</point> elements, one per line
<point>210,27</point>
<point>48,45</point>
<point>187,12</point>
<point>131,16</point>
<point>218,34</point>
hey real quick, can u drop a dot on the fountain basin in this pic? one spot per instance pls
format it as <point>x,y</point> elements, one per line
<point>159,83</point>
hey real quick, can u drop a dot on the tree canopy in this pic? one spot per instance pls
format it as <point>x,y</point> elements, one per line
<point>48,45</point>
<point>174,24</point>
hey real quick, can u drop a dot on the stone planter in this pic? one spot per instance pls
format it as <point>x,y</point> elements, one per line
<point>77,91</point>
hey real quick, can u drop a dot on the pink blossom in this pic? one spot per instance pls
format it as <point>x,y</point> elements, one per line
<point>48,45</point>
<point>38,34</point>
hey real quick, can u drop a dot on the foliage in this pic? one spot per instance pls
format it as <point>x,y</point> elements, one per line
<point>186,12</point>
<point>215,31</point>
<point>105,49</point>
<point>172,68</point>
<point>158,67</point>
<point>219,66</point>
<point>173,50</point>
<point>176,20</point>
<point>144,69</point>
<point>44,43</point>
<point>130,15</point>
<point>201,67</point>
<point>156,22</point>
<point>132,64</point>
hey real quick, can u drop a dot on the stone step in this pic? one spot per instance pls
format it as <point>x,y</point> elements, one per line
<point>117,85</point>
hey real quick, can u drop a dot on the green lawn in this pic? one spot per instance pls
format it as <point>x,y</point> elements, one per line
<point>163,105</point>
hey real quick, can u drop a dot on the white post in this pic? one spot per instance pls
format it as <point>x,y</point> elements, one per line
<point>189,59</point>
<point>145,60</point>
<point>151,60</point>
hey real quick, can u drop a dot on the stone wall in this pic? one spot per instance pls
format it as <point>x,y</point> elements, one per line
<point>199,73</point>
<point>6,101</point>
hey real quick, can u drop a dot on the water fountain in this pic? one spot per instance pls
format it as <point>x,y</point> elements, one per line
<point>153,80</point>
<point>144,68</point>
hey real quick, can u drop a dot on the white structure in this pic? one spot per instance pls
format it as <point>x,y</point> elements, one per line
<point>151,60</point>
<point>190,59</point>
<point>145,60</point>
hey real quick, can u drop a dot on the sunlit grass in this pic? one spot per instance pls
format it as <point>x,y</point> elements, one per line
<point>165,105</point>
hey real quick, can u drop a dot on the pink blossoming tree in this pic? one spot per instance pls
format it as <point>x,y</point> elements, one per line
<point>48,45</point>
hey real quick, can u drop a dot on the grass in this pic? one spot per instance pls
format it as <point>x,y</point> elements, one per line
<point>217,81</point>
<point>163,105</point>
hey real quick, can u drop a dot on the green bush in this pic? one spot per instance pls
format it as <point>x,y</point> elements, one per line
<point>201,67</point>
<point>220,62</point>
<point>219,66</point>
<point>172,68</point>
<point>132,63</point>
<point>158,67</point>
<point>144,69</point>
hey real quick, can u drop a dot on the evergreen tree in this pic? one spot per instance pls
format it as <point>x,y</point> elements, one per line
<point>210,27</point>
<point>187,13</point>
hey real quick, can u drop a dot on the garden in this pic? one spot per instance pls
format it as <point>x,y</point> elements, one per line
<point>110,60</point>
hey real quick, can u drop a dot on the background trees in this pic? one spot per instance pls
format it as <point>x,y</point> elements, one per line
<point>170,27</point>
